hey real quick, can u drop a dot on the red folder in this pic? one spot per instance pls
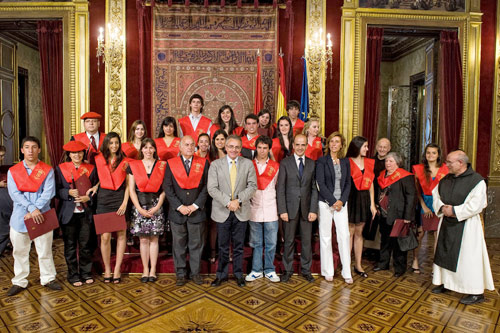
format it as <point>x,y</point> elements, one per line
<point>109,222</point>
<point>50,223</point>
<point>83,184</point>
<point>400,228</point>
<point>430,223</point>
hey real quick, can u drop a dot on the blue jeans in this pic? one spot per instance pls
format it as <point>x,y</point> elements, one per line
<point>263,235</point>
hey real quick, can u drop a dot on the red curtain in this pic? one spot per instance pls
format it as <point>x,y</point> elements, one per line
<point>144,25</point>
<point>451,93</point>
<point>51,60</point>
<point>374,40</point>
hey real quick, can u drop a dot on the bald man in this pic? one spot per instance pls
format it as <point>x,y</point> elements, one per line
<point>185,186</point>
<point>461,260</point>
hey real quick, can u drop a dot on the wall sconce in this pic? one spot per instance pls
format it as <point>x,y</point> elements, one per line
<point>112,49</point>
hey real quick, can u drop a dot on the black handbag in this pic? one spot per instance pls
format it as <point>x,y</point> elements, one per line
<point>409,242</point>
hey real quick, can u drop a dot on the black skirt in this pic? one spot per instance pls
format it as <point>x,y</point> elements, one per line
<point>358,206</point>
<point>108,200</point>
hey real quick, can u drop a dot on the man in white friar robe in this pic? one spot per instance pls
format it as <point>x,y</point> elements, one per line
<point>461,260</point>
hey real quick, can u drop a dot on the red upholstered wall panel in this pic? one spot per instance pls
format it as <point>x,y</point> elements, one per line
<point>132,66</point>
<point>333,26</point>
<point>488,8</point>
<point>97,18</point>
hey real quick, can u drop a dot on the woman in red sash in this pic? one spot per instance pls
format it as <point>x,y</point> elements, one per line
<point>314,143</point>
<point>218,146</point>
<point>112,196</point>
<point>361,208</point>
<point>148,222</point>
<point>167,143</point>
<point>203,146</point>
<point>427,177</point>
<point>136,134</point>
<point>396,200</point>
<point>226,121</point>
<point>74,213</point>
<point>265,124</point>
<point>282,145</point>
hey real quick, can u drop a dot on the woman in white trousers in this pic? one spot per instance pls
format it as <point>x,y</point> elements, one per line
<point>334,184</point>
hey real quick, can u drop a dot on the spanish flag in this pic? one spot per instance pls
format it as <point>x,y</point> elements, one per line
<point>257,106</point>
<point>281,109</point>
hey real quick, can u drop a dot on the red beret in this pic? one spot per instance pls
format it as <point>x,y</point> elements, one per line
<point>75,146</point>
<point>91,115</point>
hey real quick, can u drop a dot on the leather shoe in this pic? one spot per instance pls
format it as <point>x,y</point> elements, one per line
<point>396,275</point>
<point>472,299</point>
<point>53,285</point>
<point>217,282</point>
<point>240,281</point>
<point>14,290</point>
<point>308,277</point>
<point>377,269</point>
<point>285,277</point>
<point>181,281</point>
<point>197,279</point>
<point>439,289</point>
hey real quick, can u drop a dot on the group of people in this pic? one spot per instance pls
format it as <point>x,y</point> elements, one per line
<point>214,180</point>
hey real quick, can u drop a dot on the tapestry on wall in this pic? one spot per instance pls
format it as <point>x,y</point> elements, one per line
<point>212,52</point>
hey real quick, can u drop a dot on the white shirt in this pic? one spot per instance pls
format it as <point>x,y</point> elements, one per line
<point>96,137</point>
<point>194,122</point>
<point>297,160</point>
<point>229,162</point>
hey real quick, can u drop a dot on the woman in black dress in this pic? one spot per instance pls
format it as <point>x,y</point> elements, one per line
<point>112,196</point>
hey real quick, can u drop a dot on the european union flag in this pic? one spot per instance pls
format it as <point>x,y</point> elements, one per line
<point>304,98</point>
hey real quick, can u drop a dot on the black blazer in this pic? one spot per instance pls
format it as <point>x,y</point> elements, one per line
<point>67,204</point>
<point>248,153</point>
<point>402,200</point>
<point>293,192</point>
<point>325,176</point>
<point>178,196</point>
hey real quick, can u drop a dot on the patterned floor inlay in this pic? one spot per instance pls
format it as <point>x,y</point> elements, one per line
<point>379,303</point>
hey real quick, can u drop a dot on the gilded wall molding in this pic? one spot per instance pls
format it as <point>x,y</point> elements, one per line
<point>316,20</point>
<point>74,16</point>
<point>494,176</point>
<point>469,29</point>
<point>115,78</point>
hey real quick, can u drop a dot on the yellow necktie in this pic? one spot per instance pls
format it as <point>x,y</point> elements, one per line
<point>232,176</point>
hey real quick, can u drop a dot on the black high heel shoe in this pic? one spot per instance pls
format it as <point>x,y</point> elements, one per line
<point>362,274</point>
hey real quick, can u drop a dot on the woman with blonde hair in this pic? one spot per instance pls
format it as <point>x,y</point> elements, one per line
<point>314,141</point>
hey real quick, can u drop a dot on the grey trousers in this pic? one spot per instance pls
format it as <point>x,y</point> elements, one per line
<point>187,236</point>
<point>289,229</point>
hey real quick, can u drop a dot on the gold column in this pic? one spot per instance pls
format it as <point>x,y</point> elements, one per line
<point>494,176</point>
<point>115,78</point>
<point>316,20</point>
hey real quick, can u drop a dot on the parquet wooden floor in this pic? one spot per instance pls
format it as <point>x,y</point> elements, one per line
<point>379,303</point>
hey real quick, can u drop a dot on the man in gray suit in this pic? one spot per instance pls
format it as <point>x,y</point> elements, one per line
<point>297,203</point>
<point>231,183</point>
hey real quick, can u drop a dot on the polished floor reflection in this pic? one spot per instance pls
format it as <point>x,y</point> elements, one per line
<point>379,303</point>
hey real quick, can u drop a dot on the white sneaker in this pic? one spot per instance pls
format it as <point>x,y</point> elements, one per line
<point>273,277</point>
<point>253,276</point>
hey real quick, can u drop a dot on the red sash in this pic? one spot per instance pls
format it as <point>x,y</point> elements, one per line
<point>298,127</point>
<point>396,175</point>
<point>145,184</point>
<point>197,153</point>
<point>277,151</point>
<point>363,180</point>
<point>82,137</point>
<point>187,127</point>
<point>32,182</point>
<point>267,176</point>
<point>249,144</point>
<point>315,150</point>
<point>110,180</point>
<point>195,172</point>
<point>426,186</point>
<point>129,150</point>
<point>215,127</point>
<point>167,152</point>
<point>68,169</point>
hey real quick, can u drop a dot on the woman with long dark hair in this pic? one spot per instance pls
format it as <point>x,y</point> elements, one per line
<point>361,208</point>
<point>167,143</point>
<point>112,196</point>
<point>148,222</point>
<point>427,177</point>
<point>137,132</point>
<point>265,124</point>
<point>218,145</point>
<point>226,121</point>
<point>282,145</point>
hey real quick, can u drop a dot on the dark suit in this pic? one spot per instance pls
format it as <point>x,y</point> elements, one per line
<point>248,153</point>
<point>78,230</point>
<point>402,200</point>
<point>188,231</point>
<point>325,176</point>
<point>297,197</point>
<point>6,207</point>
